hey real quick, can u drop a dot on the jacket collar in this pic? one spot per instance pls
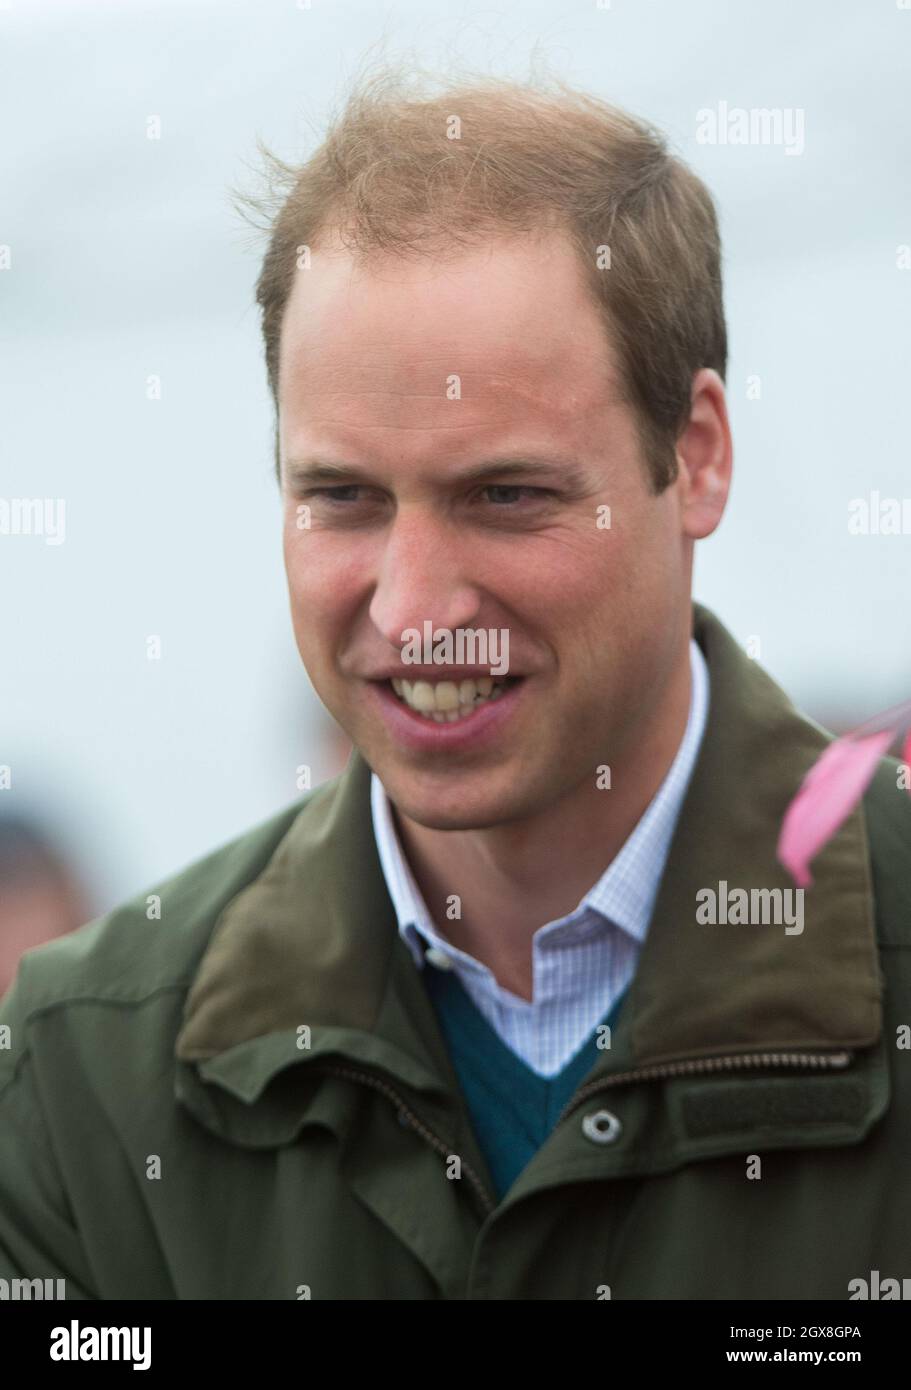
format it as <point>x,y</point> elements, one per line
<point>306,961</point>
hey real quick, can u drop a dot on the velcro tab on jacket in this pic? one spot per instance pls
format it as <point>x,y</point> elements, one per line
<point>731,1108</point>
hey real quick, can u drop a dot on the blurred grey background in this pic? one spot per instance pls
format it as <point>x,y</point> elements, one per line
<point>126,261</point>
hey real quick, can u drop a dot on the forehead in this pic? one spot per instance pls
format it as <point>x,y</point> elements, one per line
<point>471,341</point>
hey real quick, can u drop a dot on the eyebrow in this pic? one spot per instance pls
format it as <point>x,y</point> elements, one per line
<point>302,472</point>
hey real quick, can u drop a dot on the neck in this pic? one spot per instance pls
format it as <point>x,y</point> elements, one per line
<point>520,876</point>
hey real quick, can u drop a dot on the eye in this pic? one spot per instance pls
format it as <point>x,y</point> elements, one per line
<point>328,492</point>
<point>536,492</point>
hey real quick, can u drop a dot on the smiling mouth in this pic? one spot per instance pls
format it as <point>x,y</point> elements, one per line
<point>446,702</point>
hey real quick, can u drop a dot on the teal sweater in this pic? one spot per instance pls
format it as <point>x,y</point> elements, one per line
<point>512,1108</point>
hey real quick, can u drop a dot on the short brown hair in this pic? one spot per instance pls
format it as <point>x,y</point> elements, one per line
<point>388,179</point>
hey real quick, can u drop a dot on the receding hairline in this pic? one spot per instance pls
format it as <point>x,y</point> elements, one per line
<point>371,260</point>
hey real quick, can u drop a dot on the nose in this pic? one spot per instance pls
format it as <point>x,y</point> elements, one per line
<point>422,577</point>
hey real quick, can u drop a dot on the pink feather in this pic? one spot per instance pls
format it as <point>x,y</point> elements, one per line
<point>827,796</point>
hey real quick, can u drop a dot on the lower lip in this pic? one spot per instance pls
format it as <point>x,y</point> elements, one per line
<point>415,731</point>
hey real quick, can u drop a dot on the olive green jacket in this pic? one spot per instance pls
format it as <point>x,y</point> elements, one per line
<point>249,1096</point>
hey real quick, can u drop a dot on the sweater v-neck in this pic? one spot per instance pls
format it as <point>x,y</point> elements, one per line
<point>512,1107</point>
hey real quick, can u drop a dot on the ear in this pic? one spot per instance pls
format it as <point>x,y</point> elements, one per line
<point>705,457</point>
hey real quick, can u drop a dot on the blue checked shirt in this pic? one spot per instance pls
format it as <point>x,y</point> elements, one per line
<point>581,963</point>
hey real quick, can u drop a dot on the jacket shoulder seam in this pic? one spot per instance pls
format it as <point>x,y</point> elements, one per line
<point>51,1006</point>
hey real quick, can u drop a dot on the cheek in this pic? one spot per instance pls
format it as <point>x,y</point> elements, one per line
<point>634,556</point>
<point>305,593</point>
<point>326,581</point>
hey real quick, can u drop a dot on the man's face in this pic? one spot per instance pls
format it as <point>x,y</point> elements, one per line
<point>410,374</point>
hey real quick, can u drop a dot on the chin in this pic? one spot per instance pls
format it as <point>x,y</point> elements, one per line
<point>471,806</point>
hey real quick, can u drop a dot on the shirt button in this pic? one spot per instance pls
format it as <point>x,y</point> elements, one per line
<point>601,1127</point>
<point>434,956</point>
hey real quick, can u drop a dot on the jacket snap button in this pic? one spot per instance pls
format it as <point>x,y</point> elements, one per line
<point>601,1126</point>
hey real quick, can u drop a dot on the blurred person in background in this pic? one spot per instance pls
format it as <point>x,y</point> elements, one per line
<point>41,896</point>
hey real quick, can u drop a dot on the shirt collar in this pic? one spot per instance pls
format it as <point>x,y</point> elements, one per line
<point>624,894</point>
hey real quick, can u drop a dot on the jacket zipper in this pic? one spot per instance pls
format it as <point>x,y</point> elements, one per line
<point>698,1066</point>
<point>407,1116</point>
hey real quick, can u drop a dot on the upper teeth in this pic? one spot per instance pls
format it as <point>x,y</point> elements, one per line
<point>446,697</point>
